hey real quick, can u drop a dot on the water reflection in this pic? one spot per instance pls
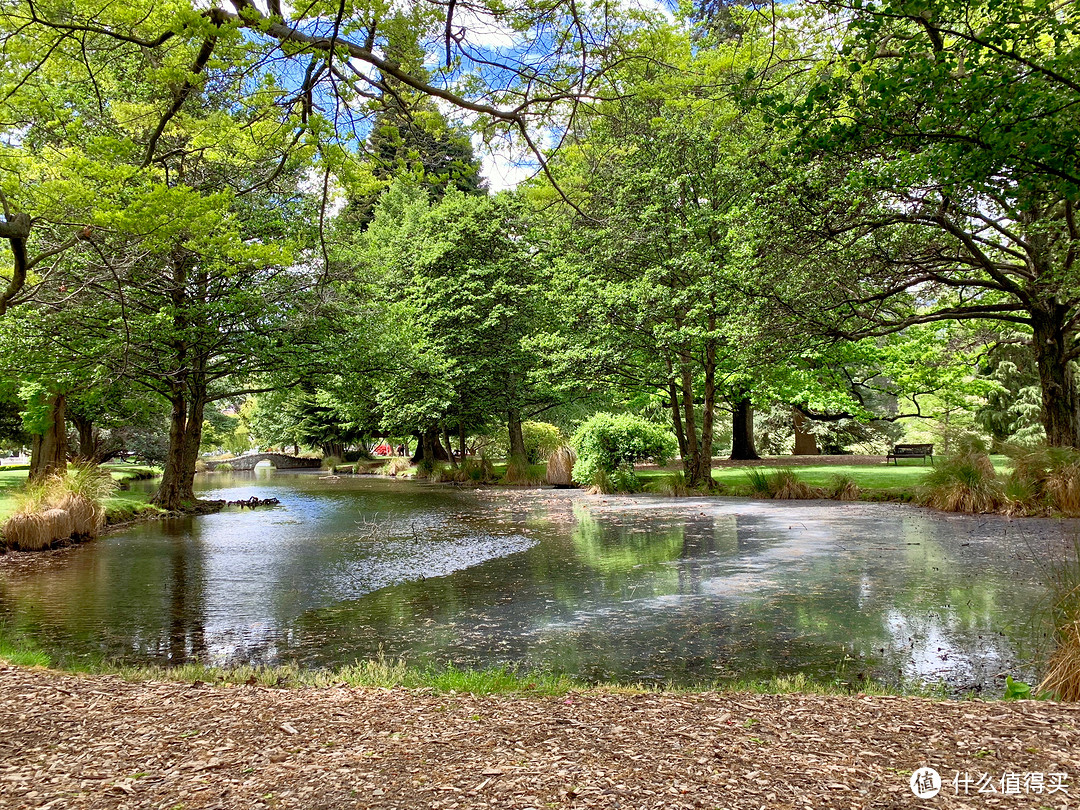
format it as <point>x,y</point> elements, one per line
<point>635,589</point>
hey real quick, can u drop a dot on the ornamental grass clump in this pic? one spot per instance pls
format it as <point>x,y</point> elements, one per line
<point>60,508</point>
<point>785,485</point>
<point>843,488</point>
<point>519,473</point>
<point>1062,677</point>
<point>560,466</point>
<point>1044,480</point>
<point>674,486</point>
<point>395,467</point>
<point>966,482</point>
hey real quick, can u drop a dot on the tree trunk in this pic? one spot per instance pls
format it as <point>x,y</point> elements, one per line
<point>428,446</point>
<point>805,442</point>
<point>742,430</point>
<point>517,438</point>
<point>703,476</point>
<point>48,454</point>
<point>461,440</point>
<point>1060,403</point>
<point>88,450</point>
<point>176,492</point>
<point>676,417</point>
<point>689,419</point>
<point>449,446</point>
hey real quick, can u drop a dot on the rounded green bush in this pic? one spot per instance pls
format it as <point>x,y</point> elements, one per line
<point>607,440</point>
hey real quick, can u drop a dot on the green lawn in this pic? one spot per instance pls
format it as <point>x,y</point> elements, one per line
<point>906,475</point>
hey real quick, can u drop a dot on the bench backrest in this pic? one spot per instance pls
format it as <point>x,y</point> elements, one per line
<point>914,448</point>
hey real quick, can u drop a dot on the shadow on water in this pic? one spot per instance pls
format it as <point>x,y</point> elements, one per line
<point>633,589</point>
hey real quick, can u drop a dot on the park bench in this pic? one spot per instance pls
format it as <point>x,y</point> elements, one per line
<point>910,451</point>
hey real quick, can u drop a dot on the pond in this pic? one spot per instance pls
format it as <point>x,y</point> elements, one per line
<point>638,589</point>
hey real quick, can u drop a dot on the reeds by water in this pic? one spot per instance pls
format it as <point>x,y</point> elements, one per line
<point>60,508</point>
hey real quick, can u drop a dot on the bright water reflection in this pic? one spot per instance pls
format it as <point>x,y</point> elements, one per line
<point>626,588</point>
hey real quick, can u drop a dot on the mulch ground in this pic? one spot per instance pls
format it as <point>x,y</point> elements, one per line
<point>70,741</point>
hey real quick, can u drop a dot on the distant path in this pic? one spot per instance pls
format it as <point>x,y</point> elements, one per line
<point>279,460</point>
<point>99,742</point>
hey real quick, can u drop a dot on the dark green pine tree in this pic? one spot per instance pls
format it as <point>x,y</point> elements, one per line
<point>411,138</point>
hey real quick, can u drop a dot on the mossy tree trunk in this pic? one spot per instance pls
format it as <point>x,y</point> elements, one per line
<point>48,454</point>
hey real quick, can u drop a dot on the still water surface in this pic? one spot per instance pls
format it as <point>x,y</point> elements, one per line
<point>634,589</point>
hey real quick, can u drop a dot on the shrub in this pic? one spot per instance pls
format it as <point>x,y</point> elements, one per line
<point>623,479</point>
<point>560,466</point>
<point>607,441</point>
<point>966,482</point>
<point>331,463</point>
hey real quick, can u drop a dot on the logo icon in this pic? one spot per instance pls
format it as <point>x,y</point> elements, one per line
<point>926,783</point>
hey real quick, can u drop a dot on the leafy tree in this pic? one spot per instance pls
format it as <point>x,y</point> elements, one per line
<point>650,268</point>
<point>939,180</point>
<point>452,286</point>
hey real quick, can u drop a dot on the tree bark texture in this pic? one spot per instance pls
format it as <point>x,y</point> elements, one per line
<point>48,454</point>
<point>517,438</point>
<point>742,430</point>
<point>805,442</point>
<point>1057,378</point>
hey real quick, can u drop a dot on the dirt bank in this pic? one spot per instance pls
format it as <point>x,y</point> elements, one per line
<point>98,742</point>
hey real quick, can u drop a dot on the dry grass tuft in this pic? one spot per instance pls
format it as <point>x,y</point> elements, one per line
<point>560,466</point>
<point>964,483</point>
<point>843,488</point>
<point>785,485</point>
<point>59,523</point>
<point>1062,679</point>
<point>1044,480</point>
<point>27,531</point>
<point>60,507</point>
<point>87,517</point>
<point>395,467</point>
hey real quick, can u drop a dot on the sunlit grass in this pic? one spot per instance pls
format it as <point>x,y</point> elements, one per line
<point>383,672</point>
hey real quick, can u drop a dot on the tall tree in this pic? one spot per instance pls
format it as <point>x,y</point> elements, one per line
<point>940,179</point>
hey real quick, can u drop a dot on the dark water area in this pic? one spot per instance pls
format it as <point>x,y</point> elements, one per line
<point>640,589</point>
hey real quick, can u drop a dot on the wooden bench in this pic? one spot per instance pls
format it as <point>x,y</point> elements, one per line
<point>910,451</point>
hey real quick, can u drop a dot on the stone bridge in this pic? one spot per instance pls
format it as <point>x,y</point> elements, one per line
<point>279,460</point>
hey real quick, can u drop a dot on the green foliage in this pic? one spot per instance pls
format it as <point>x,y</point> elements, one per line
<point>1016,690</point>
<point>607,441</point>
<point>541,439</point>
